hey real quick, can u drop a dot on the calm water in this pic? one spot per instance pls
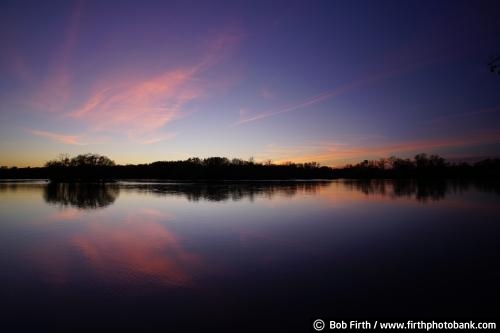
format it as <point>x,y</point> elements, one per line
<point>227,255</point>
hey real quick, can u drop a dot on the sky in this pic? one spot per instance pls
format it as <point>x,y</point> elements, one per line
<point>334,82</point>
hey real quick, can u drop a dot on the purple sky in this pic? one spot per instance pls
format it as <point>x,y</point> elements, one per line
<point>329,81</point>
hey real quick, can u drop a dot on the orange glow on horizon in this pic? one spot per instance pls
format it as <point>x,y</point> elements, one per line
<point>338,155</point>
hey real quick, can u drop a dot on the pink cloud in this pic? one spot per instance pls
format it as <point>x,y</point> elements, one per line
<point>137,106</point>
<point>141,106</point>
<point>58,137</point>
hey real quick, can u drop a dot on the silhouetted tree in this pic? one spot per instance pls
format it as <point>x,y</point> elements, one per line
<point>83,160</point>
<point>86,167</point>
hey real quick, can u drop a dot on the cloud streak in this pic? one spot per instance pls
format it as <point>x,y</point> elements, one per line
<point>58,137</point>
<point>55,91</point>
<point>137,106</point>
<point>140,107</point>
<point>308,102</point>
<point>329,94</point>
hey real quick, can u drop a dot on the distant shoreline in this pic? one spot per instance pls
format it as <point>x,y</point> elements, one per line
<point>96,168</point>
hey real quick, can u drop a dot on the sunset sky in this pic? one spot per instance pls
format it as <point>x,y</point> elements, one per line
<point>334,82</point>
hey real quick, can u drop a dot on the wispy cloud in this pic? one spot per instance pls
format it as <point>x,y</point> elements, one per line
<point>140,107</point>
<point>54,91</point>
<point>310,101</point>
<point>129,103</point>
<point>326,95</point>
<point>340,90</point>
<point>152,139</point>
<point>58,137</point>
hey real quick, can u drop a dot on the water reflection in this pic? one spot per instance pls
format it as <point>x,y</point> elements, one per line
<point>293,250</point>
<point>140,246</point>
<point>421,190</point>
<point>81,195</point>
<point>19,185</point>
<point>94,196</point>
<point>228,191</point>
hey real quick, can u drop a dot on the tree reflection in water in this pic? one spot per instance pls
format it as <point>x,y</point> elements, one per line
<point>81,195</point>
<point>99,195</point>
<point>421,190</point>
<point>228,191</point>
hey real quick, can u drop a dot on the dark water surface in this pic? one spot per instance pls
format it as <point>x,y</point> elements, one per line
<point>231,255</point>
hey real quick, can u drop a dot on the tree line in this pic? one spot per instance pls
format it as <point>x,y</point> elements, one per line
<point>91,167</point>
<point>96,167</point>
<point>421,166</point>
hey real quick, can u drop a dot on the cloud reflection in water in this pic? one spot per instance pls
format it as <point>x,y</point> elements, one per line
<point>140,245</point>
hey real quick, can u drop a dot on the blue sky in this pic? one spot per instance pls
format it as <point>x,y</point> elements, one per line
<point>328,81</point>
